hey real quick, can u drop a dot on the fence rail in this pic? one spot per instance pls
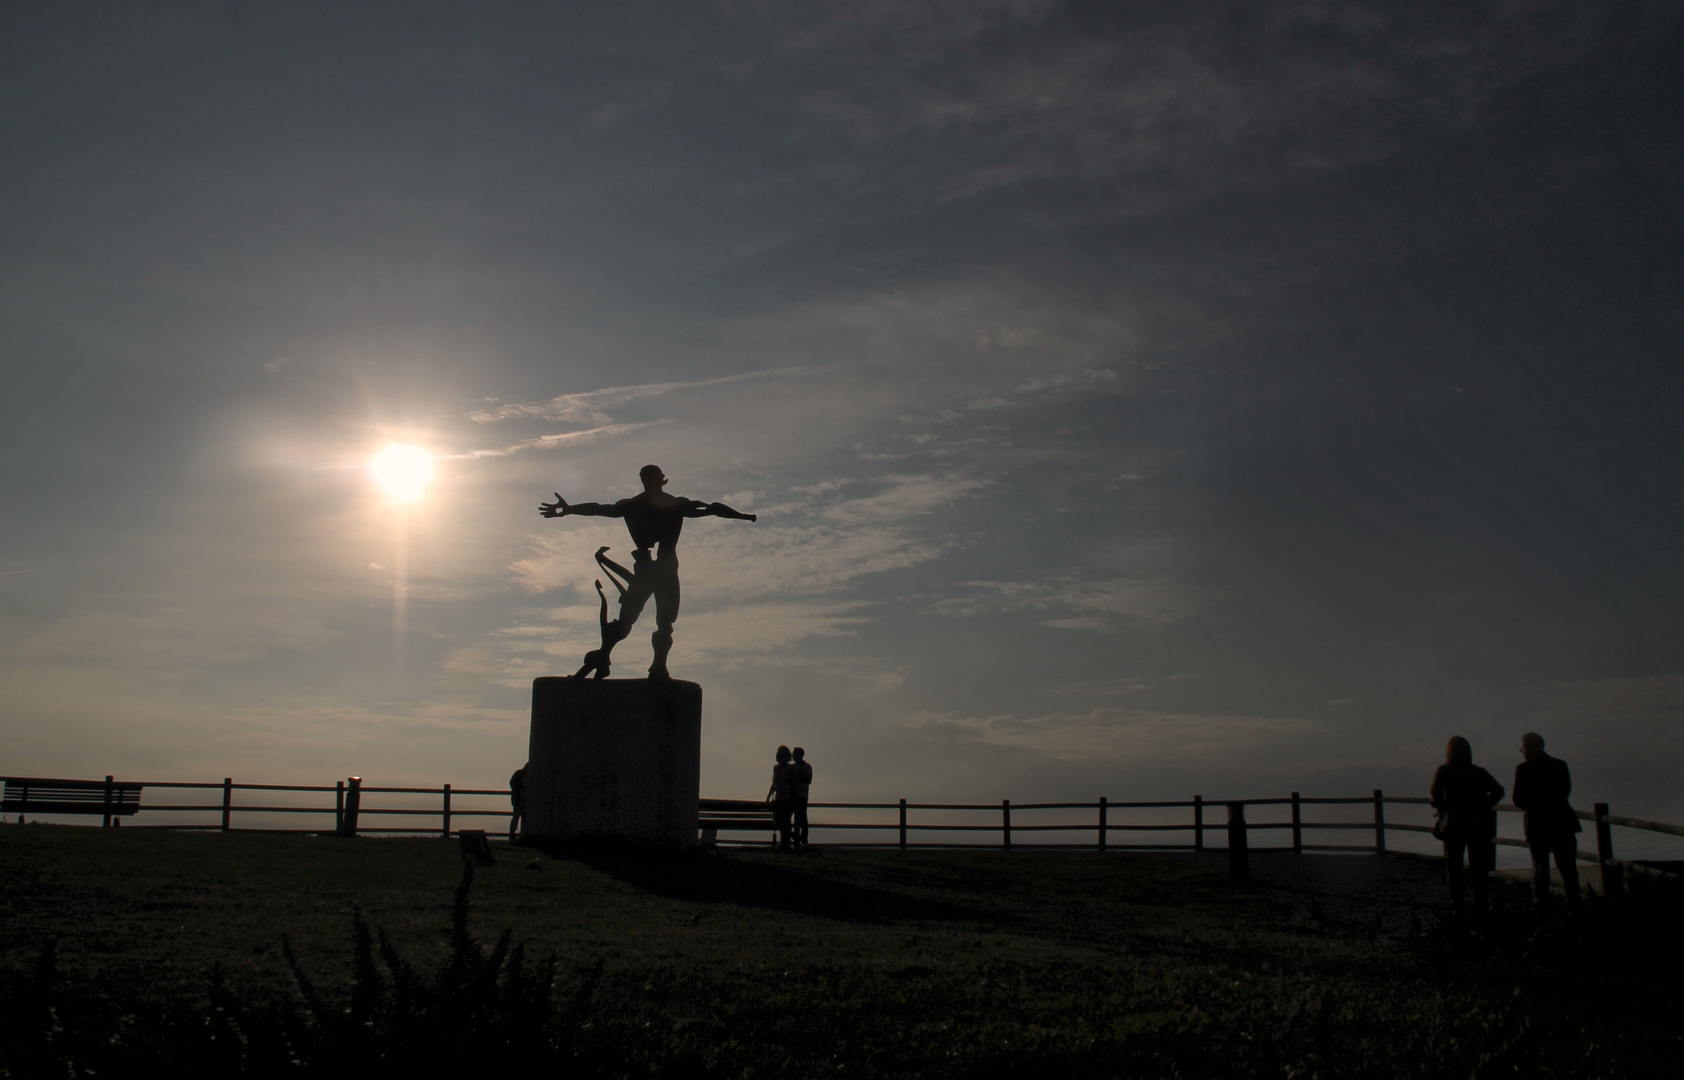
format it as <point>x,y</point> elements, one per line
<point>348,812</point>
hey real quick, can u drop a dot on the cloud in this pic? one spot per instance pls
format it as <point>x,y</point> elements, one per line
<point>758,587</point>
<point>1081,622</point>
<point>590,407</point>
<point>1154,109</point>
<point>1154,601</point>
<point>906,497</point>
<point>565,438</point>
<point>825,542</point>
<point>1110,733</point>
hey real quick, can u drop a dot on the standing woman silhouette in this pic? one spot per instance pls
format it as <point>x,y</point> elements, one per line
<point>782,797</point>
<point>1466,796</point>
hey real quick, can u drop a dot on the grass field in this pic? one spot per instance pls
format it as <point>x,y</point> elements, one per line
<point>169,948</point>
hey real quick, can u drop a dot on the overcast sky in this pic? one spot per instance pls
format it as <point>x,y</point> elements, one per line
<point>1137,399</point>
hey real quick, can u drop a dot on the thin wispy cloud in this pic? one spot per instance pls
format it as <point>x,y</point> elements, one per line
<point>590,407</point>
<point>1117,734</point>
<point>562,438</point>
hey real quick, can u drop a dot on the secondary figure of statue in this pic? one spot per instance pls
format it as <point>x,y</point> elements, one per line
<point>654,520</point>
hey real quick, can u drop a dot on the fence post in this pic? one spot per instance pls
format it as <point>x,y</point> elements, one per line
<point>1198,823</point>
<point>447,811</point>
<point>107,806</point>
<point>1297,827</point>
<point>1379,823</point>
<point>1006,823</point>
<point>353,802</point>
<point>227,801</point>
<point>1102,822</point>
<point>339,807</point>
<point>903,824</point>
<point>1611,875</point>
<point>1239,864</point>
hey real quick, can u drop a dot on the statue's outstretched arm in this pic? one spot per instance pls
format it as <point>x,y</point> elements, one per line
<point>701,509</point>
<point>562,508</point>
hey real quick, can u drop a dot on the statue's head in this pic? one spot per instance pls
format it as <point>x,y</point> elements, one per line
<point>653,478</point>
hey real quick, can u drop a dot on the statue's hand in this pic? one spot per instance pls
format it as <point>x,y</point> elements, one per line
<point>555,509</point>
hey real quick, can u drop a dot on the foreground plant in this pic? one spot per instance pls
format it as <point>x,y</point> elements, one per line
<point>483,1012</point>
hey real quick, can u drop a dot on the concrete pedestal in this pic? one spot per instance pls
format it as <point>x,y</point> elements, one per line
<point>614,759</point>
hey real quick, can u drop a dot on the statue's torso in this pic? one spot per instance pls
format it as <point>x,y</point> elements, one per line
<point>655,524</point>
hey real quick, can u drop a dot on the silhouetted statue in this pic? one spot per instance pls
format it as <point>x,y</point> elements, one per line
<point>1541,786</point>
<point>654,520</point>
<point>781,796</point>
<point>801,781</point>
<point>1466,797</point>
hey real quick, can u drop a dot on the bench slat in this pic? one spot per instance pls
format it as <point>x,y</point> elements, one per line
<point>40,806</point>
<point>53,796</point>
<point>73,794</point>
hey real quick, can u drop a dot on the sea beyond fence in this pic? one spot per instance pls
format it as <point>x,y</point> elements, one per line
<point>1375,823</point>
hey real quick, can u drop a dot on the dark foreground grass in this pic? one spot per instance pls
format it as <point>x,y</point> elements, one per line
<point>127,953</point>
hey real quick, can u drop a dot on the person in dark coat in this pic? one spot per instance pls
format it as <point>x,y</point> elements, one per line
<point>782,796</point>
<point>1541,786</point>
<point>1466,795</point>
<point>517,801</point>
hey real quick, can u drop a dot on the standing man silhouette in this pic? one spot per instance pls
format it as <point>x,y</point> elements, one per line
<point>1541,787</point>
<point>654,520</point>
<point>803,780</point>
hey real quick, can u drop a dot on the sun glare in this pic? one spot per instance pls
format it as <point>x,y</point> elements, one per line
<point>402,472</point>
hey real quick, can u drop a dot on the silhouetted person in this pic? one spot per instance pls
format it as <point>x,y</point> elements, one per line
<point>1468,796</point>
<point>1541,787</point>
<point>517,799</point>
<point>802,780</point>
<point>654,520</point>
<point>780,795</point>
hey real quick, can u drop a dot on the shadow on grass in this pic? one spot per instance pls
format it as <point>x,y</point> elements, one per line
<point>712,877</point>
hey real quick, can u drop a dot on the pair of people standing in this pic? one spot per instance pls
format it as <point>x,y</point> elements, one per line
<point>792,776</point>
<point>1466,797</point>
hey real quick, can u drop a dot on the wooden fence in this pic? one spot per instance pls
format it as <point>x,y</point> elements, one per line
<point>1103,825</point>
<point>347,811</point>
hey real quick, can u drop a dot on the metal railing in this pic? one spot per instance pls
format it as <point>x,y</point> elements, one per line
<point>900,824</point>
<point>1196,826</point>
<point>347,810</point>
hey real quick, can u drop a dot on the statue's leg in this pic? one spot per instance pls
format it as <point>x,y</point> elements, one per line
<point>661,639</point>
<point>666,613</point>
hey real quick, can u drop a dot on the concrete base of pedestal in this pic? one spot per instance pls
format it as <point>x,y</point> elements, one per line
<point>614,759</point>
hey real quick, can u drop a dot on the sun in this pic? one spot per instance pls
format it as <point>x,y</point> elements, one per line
<point>402,472</point>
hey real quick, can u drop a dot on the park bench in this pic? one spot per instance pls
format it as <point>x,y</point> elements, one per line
<point>733,815</point>
<point>36,795</point>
